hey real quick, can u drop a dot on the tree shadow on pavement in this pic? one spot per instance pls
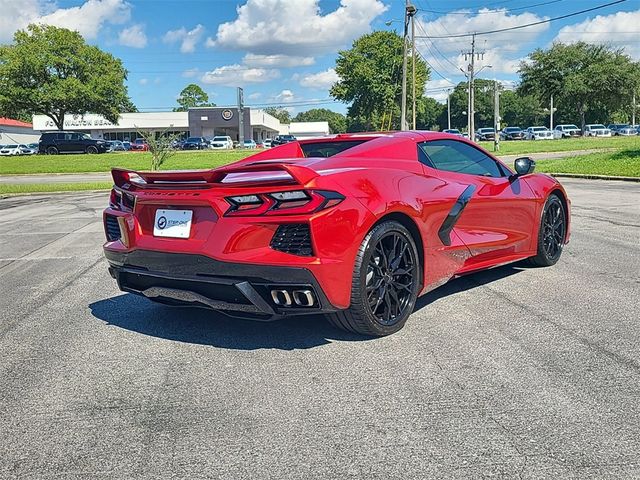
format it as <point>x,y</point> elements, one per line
<point>206,327</point>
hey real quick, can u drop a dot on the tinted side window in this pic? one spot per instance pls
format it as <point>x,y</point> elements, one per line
<point>454,156</point>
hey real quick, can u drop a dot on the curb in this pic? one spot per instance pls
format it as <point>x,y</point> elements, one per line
<point>34,194</point>
<point>595,177</point>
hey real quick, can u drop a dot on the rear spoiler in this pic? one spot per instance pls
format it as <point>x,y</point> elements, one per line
<point>238,176</point>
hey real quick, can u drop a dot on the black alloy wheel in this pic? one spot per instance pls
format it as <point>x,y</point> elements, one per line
<point>385,284</point>
<point>390,278</point>
<point>92,150</point>
<point>52,151</point>
<point>552,234</point>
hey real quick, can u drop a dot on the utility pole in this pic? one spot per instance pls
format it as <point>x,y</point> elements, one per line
<point>633,110</point>
<point>496,116</point>
<point>551,114</point>
<point>409,11</point>
<point>471,77</point>
<point>449,109</point>
<point>240,117</point>
<point>413,68</point>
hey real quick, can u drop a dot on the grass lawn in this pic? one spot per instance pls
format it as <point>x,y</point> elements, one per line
<point>215,158</point>
<point>52,187</point>
<point>625,163</point>
<point>562,145</point>
<point>81,163</point>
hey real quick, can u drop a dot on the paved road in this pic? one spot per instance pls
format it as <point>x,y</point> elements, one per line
<point>516,372</point>
<point>106,177</point>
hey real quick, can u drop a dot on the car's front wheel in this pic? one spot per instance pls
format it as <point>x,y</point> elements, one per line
<point>91,150</point>
<point>552,233</point>
<point>385,282</point>
<point>52,151</point>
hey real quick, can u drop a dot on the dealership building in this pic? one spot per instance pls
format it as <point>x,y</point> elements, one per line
<point>17,132</point>
<point>205,122</point>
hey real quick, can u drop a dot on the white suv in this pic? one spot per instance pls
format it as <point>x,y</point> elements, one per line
<point>596,130</point>
<point>221,142</point>
<point>566,131</point>
<point>538,133</point>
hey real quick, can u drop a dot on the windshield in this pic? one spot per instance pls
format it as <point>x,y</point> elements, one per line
<point>597,126</point>
<point>219,139</point>
<point>193,139</point>
<point>571,126</point>
<point>85,136</point>
<point>486,130</point>
<point>539,129</point>
<point>512,129</point>
<point>452,130</point>
<point>11,146</point>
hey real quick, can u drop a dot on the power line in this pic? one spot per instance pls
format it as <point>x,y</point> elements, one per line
<point>506,10</point>
<point>460,35</point>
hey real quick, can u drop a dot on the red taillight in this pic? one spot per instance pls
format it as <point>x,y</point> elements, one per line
<point>295,202</point>
<point>119,200</point>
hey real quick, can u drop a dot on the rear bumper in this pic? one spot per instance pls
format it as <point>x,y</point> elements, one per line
<point>236,289</point>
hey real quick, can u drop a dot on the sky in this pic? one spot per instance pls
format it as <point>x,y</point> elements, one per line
<point>282,52</point>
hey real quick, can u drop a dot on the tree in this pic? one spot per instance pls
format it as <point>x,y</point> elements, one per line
<point>370,78</point>
<point>483,105</point>
<point>192,96</point>
<point>281,114</point>
<point>523,111</point>
<point>582,78</point>
<point>160,146</point>
<point>428,113</point>
<point>52,71</point>
<point>337,121</point>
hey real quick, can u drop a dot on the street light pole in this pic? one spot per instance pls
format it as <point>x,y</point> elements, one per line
<point>633,110</point>
<point>496,115</point>
<point>449,109</point>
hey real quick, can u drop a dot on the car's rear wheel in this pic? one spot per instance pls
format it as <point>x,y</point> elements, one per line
<point>552,233</point>
<point>385,282</point>
<point>52,151</point>
<point>91,150</point>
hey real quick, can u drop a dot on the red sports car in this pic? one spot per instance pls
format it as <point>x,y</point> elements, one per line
<point>355,226</point>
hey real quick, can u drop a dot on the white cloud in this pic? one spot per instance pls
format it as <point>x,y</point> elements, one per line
<point>278,60</point>
<point>501,50</point>
<point>285,96</point>
<point>188,38</point>
<point>143,81</point>
<point>87,18</point>
<point>617,30</point>
<point>286,27</point>
<point>133,36</point>
<point>237,75</point>
<point>438,89</point>
<point>321,80</point>
<point>191,73</point>
<point>254,96</point>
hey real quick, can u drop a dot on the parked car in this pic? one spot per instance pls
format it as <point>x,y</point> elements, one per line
<point>282,139</point>
<point>127,145</point>
<point>177,144</point>
<point>512,133</point>
<point>195,143</point>
<point>622,129</point>
<point>116,146</point>
<point>484,134</point>
<point>566,130</point>
<point>538,133</point>
<point>221,141</point>
<point>267,143</point>
<point>250,144</point>
<point>8,150</point>
<point>28,149</point>
<point>296,236</point>
<point>452,131</point>
<point>596,130</point>
<point>139,145</point>
<point>53,143</point>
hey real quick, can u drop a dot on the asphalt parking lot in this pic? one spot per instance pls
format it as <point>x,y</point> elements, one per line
<point>512,373</point>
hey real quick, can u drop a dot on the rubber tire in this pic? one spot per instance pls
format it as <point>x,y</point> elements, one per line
<point>357,318</point>
<point>541,260</point>
<point>91,150</point>
<point>52,151</point>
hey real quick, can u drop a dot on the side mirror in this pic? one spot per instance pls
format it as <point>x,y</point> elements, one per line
<point>524,165</point>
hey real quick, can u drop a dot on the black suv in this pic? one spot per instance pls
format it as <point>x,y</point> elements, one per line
<point>282,139</point>
<point>53,143</point>
<point>195,143</point>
